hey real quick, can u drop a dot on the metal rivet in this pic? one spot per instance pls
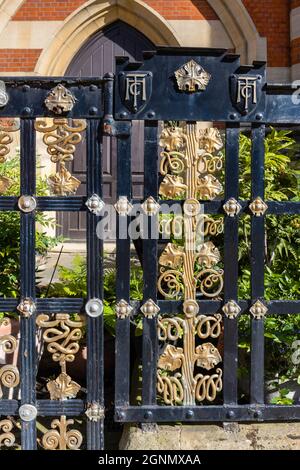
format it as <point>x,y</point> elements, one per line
<point>94,308</point>
<point>95,204</point>
<point>93,110</point>
<point>259,117</point>
<point>25,88</point>
<point>27,204</point>
<point>26,110</point>
<point>232,116</point>
<point>230,414</point>
<point>151,114</point>
<point>93,87</point>
<point>120,415</point>
<point>148,415</point>
<point>123,115</point>
<point>257,414</point>
<point>27,413</point>
<point>189,414</point>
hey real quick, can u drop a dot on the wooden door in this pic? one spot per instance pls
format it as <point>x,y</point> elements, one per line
<point>96,58</point>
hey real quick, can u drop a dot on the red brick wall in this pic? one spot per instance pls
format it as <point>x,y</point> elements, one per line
<point>183,9</point>
<point>18,60</point>
<point>295,4</point>
<point>46,10</point>
<point>272,20</point>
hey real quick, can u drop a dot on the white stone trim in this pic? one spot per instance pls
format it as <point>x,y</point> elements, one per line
<point>295,23</point>
<point>28,34</point>
<point>279,74</point>
<point>241,29</point>
<point>201,33</point>
<point>295,72</point>
<point>7,10</point>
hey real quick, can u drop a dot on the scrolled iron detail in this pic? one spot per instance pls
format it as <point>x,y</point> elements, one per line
<point>60,438</point>
<point>188,164</point>
<point>7,438</point>
<point>62,336</point>
<point>7,126</point>
<point>9,374</point>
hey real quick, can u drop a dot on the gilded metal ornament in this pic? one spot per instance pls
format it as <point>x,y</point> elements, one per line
<point>95,204</point>
<point>232,207</point>
<point>26,307</point>
<point>27,412</point>
<point>62,336</point>
<point>192,77</point>
<point>9,374</point>
<point>123,309</point>
<point>60,438</point>
<point>61,140</point>
<point>123,206</point>
<point>188,161</point>
<point>231,310</point>
<point>5,184</point>
<point>258,207</point>
<point>7,126</point>
<point>7,438</point>
<point>60,100</point>
<point>150,309</point>
<point>258,310</point>
<point>150,206</point>
<point>27,204</point>
<point>95,412</point>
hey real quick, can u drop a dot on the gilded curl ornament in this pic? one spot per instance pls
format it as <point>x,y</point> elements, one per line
<point>188,368</point>
<point>62,336</point>
<point>9,374</point>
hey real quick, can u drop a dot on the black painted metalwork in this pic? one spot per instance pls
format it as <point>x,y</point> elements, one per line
<point>275,105</point>
<point>101,102</point>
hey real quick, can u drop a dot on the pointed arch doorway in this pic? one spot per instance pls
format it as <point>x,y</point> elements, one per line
<point>95,58</point>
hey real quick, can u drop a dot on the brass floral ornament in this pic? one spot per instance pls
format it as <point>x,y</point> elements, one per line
<point>62,336</point>
<point>258,310</point>
<point>258,207</point>
<point>150,309</point>
<point>26,307</point>
<point>95,412</point>
<point>192,77</point>
<point>232,207</point>
<point>123,206</point>
<point>123,309</point>
<point>61,140</point>
<point>150,206</point>
<point>189,161</point>
<point>9,374</point>
<point>7,438</point>
<point>60,438</point>
<point>60,100</point>
<point>231,310</point>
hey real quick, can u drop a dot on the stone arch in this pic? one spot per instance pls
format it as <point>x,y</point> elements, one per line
<point>241,29</point>
<point>95,15</point>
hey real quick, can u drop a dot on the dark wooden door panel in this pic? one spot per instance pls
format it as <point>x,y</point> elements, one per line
<point>94,59</point>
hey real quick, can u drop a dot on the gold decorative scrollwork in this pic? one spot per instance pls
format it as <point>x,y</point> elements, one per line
<point>61,140</point>
<point>7,438</point>
<point>9,374</point>
<point>62,335</point>
<point>188,163</point>
<point>60,438</point>
<point>6,127</point>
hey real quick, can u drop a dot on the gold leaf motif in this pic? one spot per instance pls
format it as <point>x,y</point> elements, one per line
<point>171,358</point>
<point>208,356</point>
<point>60,438</point>
<point>63,183</point>
<point>192,77</point>
<point>63,387</point>
<point>172,186</point>
<point>209,255</point>
<point>208,187</point>
<point>172,256</point>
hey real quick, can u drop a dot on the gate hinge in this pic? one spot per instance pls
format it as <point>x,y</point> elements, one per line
<point>95,412</point>
<point>114,128</point>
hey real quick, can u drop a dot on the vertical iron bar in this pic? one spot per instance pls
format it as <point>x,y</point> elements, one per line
<point>122,349</point>
<point>150,341</point>
<point>231,226</point>
<point>257,265</point>
<point>95,338</point>
<point>27,280</point>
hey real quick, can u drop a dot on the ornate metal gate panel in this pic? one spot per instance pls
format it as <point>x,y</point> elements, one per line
<point>190,308</point>
<point>74,106</point>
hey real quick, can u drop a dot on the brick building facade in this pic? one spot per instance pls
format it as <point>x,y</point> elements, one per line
<point>40,37</point>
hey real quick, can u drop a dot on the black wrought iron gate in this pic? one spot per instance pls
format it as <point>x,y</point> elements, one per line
<point>190,307</point>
